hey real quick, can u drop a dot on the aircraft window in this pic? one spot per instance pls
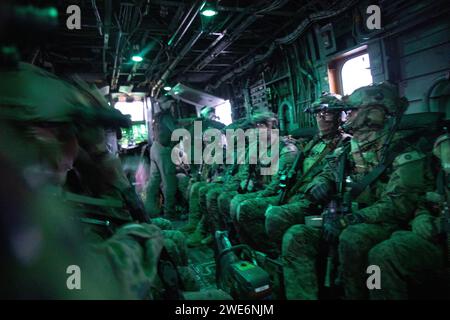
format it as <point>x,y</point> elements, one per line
<point>138,132</point>
<point>356,73</point>
<point>223,112</point>
<point>134,109</point>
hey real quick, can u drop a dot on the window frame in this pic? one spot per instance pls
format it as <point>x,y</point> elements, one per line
<point>335,68</point>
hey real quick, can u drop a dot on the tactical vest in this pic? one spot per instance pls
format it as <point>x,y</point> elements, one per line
<point>316,151</point>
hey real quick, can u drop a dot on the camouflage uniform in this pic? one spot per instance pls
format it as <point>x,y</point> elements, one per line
<point>38,133</point>
<point>225,192</point>
<point>162,169</point>
<point>417,256</point>
<point>203,226</point>
<point>247,210</point>
<point>249,175</point>
<point>383,207</point>
<point>194,206</point>
<point>202,179</point>
<point>263,218</point>
<point>208,195</point>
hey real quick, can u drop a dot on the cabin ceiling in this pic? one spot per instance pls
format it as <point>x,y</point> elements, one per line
<point>171,36</point>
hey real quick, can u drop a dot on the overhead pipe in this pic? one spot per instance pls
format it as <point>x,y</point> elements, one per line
<point>242,69</point>
<point>284,40</point>
<point>108,14</point>
<point>184,51</point>
<point>116,58</point>
<point>97,17</point>
<point>238,31</point>
<point>226,43</point>
<point>200,56</point>
<point>321,15</point>
<point>165,76</point>
<point>189,23</point>
<point>175,34</point>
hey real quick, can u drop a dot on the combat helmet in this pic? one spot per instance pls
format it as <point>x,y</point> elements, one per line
<point>263,116</point>
<point>98,108</point>
<point>31,94</point>
<point>381,94</point>
<point>327,102</point>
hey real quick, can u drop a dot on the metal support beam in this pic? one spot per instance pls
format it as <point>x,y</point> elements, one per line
<point>107,28</point>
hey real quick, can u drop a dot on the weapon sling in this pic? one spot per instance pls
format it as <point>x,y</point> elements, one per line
<point>297,185</point>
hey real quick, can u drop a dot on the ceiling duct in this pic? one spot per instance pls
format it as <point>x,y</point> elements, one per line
<point>325,14</point>
<point>180,56</point>
<point>228,40</point>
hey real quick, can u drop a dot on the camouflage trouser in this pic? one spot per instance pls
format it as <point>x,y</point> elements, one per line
<point>133,252</point>
<point>249,218</point>
<point>195,211</point>
<point>355,243</point>
<point>224,202</point>
<point>199,206</point>
<point>203,192</point>
<point>237,201</point>
<point>212,204</point>
<point>212,216</point>
<point>280,218</point>
<point>162,176</point>
<point>404,259</point>
<point>183,188</point>
<point>300,252</point>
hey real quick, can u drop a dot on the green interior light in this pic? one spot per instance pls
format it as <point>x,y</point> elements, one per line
<point>208,12</point>
<point>53,12</point>
<point>137,58</point>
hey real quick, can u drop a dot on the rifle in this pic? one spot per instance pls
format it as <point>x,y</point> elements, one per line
<point>251,170</point>
<point>288,180</point>
<point>339,206</point>
<point>288,192</point>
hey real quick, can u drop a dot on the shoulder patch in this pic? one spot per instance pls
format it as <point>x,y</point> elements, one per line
<point>408,157</point>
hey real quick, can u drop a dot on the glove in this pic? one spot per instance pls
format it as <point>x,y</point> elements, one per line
<point>320,192</point>
<point>426,226</point>
<point>352,218</point>
<point>333,226</point>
